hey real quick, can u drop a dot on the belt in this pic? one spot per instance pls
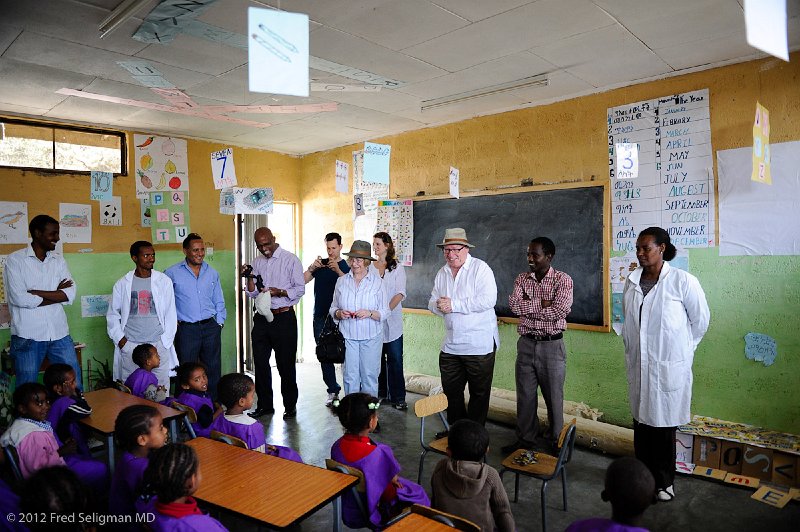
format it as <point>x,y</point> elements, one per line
<point>545,337</point>
<point>281,310</point>
<point>201,322</point>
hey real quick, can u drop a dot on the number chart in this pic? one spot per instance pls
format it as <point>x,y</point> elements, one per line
<point>674,188</point>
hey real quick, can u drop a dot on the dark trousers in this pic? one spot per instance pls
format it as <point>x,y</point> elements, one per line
<point>279,336</point>
<point>473,370</point>
<point>655,447</point>
<point>540,364</point>
<point>328,369</point>
<point>201,341</point>
<point>391,382</point>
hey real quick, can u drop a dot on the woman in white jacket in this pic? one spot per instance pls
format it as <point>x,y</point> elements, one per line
<point>666,316</point>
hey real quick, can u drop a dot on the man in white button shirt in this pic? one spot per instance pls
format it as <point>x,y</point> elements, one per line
<point>465,293</point>
<point>38,284</point>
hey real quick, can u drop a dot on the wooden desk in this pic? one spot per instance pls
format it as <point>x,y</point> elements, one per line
<point>273,491</point>
<point>108,403</point>
<point>419,523</point>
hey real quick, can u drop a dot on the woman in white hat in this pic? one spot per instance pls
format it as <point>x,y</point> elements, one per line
<point>360,307</point>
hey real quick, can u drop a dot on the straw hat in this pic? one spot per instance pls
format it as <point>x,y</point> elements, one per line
<point>360,250</point>
<point>455,236</point>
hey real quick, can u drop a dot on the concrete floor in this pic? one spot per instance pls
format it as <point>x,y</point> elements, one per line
<point>699,504</point>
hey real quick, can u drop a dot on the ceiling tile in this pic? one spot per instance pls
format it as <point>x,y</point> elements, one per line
<point>97,112</point>
<point>196,54</point>
<point>707,51</point>
<point>513,31</point>
<point>475,10</point>
<point>562,86</point>
<point>453,112</point>
<point>385,100</point>
<point>362,119</point>
<point>7,36</point>
<point>35,86</point>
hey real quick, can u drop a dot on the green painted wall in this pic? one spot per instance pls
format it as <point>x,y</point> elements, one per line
<point>758,294</point>
<point>96,274</point>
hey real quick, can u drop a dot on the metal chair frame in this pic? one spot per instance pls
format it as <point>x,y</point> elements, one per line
<point>434,404</point>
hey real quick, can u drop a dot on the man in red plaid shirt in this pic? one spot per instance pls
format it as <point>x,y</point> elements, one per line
<point>542,299</point>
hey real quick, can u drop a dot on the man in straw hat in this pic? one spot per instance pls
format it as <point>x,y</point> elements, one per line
<point>464,294</point>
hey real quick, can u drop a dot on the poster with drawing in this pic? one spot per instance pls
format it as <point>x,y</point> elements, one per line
<point>5,316</point>
<point>14,222</point>
<point>161,164</point>
<point>248,201</point>
<point>101,186</point>
<point>169,216</point>
<point>76,223</point>
<point>111,211</point>
<point>396,217</point>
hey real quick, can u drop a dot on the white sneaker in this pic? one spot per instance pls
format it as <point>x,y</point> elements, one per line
<point>331,398</point>
<point>666,495</point>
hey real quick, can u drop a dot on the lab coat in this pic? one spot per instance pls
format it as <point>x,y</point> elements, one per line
<point>119,309</point>
<point>659,351</point>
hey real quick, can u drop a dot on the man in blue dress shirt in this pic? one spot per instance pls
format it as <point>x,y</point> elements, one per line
<point>200,307</point>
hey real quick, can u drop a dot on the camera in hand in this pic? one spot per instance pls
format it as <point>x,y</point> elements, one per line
<point>248,274</point>
<point>325,261</point>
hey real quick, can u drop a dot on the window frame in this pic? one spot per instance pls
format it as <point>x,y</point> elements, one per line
<point>82,129</point>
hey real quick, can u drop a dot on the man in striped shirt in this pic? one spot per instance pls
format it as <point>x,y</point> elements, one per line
<point>542,298</point>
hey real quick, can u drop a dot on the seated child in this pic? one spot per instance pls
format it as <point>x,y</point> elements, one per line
<point>463,485</point>
<point>9,504</point>
<point>630,488</point>
<point>138,430</point>
<point>37,446</point>
<point>171,477</point>
<point>67,406</point>
<point>237,393</point>
<point>193,392</point>
<point>386,492</point>
<point>55,490</point>
<point>143,382</point>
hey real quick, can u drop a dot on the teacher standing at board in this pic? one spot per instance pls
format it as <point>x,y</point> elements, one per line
<point>666,316</point>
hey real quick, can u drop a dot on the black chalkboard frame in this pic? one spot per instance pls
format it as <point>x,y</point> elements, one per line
<point>606,218</point>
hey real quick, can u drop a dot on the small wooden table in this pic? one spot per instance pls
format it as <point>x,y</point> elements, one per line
<point>273,491</point>
<point>418,523</point>
<point>108,403</point>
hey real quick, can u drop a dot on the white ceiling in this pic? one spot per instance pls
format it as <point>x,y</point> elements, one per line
<point>436,48</point>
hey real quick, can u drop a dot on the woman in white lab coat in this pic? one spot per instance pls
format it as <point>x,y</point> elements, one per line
<point>666,316</point>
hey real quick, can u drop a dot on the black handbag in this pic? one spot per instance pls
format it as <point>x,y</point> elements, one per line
<point>330,345</point>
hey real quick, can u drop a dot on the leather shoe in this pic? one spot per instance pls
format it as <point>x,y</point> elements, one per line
<point>290,413</point>
<point>442,434</point>
<point>519,444</point>
<point>258,412</point>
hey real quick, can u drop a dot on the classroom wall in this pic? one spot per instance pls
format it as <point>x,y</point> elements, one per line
<point>96,272</point>
<point>566,142</point>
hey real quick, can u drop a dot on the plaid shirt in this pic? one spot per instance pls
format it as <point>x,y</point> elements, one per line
<point>526,302</point>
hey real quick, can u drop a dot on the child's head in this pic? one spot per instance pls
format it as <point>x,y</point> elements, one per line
<point>140,426</point>
<point>30,400</point>
<point>630,488</point>
<point>236,390</point>
<point>54,490</point>
<point>172,472</point>
<point>193,376</point>
<point>468,440</point>
<point>59,379</point>
<point>358,412</point>
<point>146,356</point>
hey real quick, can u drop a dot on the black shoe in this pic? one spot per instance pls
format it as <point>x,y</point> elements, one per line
<point>519,444</point>
<point>442,434</point>
<point>402,405</point>
<point>290,413</point>
<point>262,412</point>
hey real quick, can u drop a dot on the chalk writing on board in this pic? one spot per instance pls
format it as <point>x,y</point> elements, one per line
<point>761,348</point>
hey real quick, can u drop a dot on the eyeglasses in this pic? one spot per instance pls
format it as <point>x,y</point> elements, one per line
<point>453,250</point>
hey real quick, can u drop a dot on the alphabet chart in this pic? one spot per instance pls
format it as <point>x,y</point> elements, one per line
<point>674,185</point>
<point>169,215</point>
<point>396,217</point>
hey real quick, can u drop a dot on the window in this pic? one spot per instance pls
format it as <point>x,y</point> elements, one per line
<point>35,146</point>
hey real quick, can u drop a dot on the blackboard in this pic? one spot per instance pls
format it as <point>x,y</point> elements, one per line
<point>501,226</point>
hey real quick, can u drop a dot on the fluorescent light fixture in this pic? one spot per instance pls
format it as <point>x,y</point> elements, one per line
<point>534,81</point>
<point>121,13</point>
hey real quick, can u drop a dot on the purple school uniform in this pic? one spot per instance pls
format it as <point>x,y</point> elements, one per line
<point>379,467</point>
<point>126,483</point>
<point>139,381</point>
<point>58,408</point>
<point>253,435</point>
<point>9,505</point>
<point>166,523</point>
<point>597,524</point>
<point>203,407</point>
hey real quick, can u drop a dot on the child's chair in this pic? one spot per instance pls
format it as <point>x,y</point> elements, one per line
<point>12,458</point>
<point>358,493</point>
<point>434,404</point>
<point>188,419</point>
<point>119,385</point>
<point>227,438</point>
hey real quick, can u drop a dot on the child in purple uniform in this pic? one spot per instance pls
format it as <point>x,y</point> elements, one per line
<point>56,491</point>
<point>236,391</point>
<point>37,446</point>
<point>386,492</point>
<point>138,430</point>
<point>171,477</point>
<point>193,386</point>
<point>143,382</point>
<point>67,406</point>
<point>630,488</point>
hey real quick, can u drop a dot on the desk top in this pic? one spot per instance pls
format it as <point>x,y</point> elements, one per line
<point>418,523</point>
<point>271,490</point>
<point>108,403</point>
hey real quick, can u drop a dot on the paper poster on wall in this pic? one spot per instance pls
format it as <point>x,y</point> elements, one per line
<point>358,204</point>
<point>144,212</point>
<point>5,316</point>
<point>76,223</point>
<point>227,202</point>
<point>627,160</point>
<point>170,216</point>
<point>376,162</point>
<point>765,24</point>
<point>161,164</point>
<point>396,217</point>
<point>94,306</point>
<point>101,185</point>
<point>364,226</point>
<point>761,348</point>
<point>342,175</point>
<point>761,156</point>
<point>253,200</point>
<point>111,211</point>
<point>223,170</point>
<point>454,179</point>
<point>277,49</point>
<point>14,222</point>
